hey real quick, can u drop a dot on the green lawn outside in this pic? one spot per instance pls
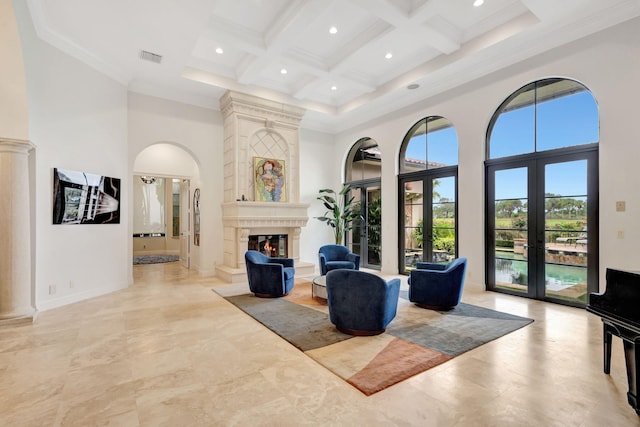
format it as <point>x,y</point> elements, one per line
<point>576,224</point>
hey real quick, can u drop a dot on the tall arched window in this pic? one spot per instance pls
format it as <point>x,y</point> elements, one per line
<point>364,161</point>
<point>363,171</point>
<point>428,185</point>
<point>542,193</point>
<point>431,143</point>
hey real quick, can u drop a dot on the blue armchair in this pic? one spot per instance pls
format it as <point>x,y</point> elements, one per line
<point>333,257</point>
<point>361,303</point>
<point>437,286</point>
<point>269,277</point>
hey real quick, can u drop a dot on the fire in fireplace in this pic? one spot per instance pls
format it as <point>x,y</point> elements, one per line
<point>274,245</point>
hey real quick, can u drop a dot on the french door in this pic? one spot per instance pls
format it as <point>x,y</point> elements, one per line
<point>428,218</point>
<point>365,237</point>
<point>542,226</point>
<point>185,225</point>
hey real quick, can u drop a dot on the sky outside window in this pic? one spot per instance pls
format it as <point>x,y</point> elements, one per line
<point>560,122</point>
<point>441,145</point>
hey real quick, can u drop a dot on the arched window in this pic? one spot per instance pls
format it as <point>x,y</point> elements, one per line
<point>543,115</point>
<point>364,161</point>
<point>428,185</point>
<point>363,172</point>
<point>542,193</point>
<point>431,143</point>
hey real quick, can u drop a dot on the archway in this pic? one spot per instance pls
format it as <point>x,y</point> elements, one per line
<point>164,215</point>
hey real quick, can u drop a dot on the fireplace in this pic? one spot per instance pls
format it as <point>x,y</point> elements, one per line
<point>256,128</point>
<point>273,245</point>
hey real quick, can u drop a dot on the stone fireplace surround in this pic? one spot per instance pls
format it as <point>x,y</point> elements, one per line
<point>256,127</point>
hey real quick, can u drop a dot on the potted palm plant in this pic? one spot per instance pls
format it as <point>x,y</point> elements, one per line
<point>341,211</point>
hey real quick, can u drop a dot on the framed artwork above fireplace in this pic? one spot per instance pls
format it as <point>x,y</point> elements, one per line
<point>270,180</point>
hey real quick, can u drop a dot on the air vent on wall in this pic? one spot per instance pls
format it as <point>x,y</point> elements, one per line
<point>150,56</point>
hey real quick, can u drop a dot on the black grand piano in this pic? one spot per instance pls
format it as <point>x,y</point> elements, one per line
<point>619,308</point>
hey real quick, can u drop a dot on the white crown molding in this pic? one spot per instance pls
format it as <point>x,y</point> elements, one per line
<point>49,35</point>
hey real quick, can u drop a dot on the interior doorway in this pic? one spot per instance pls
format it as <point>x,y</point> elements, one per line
<point>163,204</point>
<point>161,219</point>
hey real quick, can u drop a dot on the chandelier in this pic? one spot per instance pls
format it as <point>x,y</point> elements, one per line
<point>148,179</point>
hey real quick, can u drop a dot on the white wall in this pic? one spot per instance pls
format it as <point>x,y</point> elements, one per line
<point>608,63</point>
<point>194,130</point>
<point>319,168</point>
<point>78,121</point>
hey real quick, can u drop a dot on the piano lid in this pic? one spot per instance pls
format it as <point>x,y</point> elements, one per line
<point>621,298</point>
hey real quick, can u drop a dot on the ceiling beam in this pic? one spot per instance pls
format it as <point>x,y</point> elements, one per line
<point>294,20</point>
<point>413,25</point>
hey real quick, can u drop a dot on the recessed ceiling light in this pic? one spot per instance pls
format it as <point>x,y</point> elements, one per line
<point>334,88</point>
<point>413,86</point>
<point>477,3</point>
<point>283,71</point>
<point>219,51</point>
<point>389,55</point>
<point>333,30</point>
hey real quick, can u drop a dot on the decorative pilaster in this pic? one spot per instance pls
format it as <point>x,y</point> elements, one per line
<point>241,248</point>
<point>295,243</point>
<point>15,231</point>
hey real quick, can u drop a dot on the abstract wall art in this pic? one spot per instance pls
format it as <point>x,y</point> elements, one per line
<point>270,180</point>
<point>85,198</point>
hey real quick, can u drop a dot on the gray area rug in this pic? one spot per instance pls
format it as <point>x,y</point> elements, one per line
<point>450,332</point>
<point>416,340</point>
<point>154,259</point>
<point>303,327</point>
<point>459,330</point>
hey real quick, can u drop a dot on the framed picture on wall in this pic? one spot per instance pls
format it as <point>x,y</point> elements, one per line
<point>270,180</point>
<point>196,217</point>
<point>85,198</point>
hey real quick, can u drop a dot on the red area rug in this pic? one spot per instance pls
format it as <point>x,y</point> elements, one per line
<point>398,361</point>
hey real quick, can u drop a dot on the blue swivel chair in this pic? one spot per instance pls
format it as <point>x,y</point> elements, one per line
<point>333,257</point>
<point>269,277</point>
<point>437,286</point>
<point>361,303</point>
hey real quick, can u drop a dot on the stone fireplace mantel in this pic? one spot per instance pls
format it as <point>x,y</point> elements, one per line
<point>242,219</point>
<point>248,214</point>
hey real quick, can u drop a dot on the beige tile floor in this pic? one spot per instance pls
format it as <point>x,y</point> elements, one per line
<point>168,351</point>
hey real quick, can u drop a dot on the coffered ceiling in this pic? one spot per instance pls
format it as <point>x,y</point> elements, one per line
<point>342,79</point>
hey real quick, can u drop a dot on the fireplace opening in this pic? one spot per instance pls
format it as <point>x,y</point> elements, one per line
<point>273,245</point>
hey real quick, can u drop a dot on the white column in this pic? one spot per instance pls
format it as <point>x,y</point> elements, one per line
<point>15,232</point>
